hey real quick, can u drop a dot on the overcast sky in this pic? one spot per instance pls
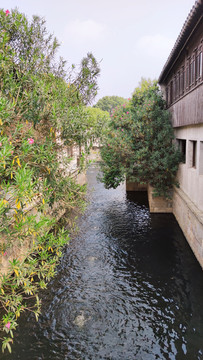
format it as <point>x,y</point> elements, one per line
<point>130,38</point>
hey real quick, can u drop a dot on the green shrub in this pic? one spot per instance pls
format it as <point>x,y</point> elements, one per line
<point>139,144</point>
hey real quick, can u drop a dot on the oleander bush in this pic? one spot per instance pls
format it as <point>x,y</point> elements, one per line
<point>40,101</point>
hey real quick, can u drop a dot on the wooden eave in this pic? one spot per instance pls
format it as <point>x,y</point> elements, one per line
<point>192,21</point>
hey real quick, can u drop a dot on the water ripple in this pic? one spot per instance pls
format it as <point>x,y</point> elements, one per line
<point>128,288</point>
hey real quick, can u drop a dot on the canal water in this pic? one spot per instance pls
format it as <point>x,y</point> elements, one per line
<point>128,288</point>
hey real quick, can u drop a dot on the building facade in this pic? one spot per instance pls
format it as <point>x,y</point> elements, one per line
<point>181,81</point>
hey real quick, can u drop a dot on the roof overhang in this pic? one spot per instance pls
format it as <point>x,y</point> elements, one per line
<point>193,19</point>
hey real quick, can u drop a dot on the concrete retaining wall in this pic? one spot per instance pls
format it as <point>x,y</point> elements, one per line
<point>132,186</point>
<point>190,220</point>
<point>158,204</point>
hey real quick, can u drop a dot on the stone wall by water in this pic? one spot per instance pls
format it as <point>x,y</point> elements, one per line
<point>158,204</point>
<point>190,220</point>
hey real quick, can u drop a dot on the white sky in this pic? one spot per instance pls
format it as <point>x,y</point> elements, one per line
<point>131,38</point>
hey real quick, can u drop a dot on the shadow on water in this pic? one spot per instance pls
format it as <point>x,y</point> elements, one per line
<point>128,288</point>
<point>138,197</point>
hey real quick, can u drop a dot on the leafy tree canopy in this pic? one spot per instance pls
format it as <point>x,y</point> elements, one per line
<point>139,143</point>
<point>93,125</point>
<point>108,103</point>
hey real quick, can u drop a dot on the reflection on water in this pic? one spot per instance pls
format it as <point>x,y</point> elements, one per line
<point>128,288</point>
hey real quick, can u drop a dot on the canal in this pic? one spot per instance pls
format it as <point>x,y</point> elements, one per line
<point>128,288</point>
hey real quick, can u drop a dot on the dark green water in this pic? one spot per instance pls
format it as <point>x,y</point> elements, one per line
<point>128,288</point>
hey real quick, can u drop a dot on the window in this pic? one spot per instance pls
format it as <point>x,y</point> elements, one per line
<point>200,65</point>
<point>186,77</point>
<point>174,89</point>
<point>182,82</point>
<point>197,65</point>
<point>177,89</point>
<point>187,74</point>
<point>192,71</point>
<point>167,97</point>
<point>182,148</point>
<point>201,159</point>
<point>192,154</point>
<point>171,92</point>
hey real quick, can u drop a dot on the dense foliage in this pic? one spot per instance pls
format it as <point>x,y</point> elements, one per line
<point>83,125</point>
<point>139,143</point>
<point>42,107</point>
<point>108,103</point>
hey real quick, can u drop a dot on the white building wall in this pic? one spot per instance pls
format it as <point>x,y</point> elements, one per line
<point>188,199</point>
<point>191,177</point>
